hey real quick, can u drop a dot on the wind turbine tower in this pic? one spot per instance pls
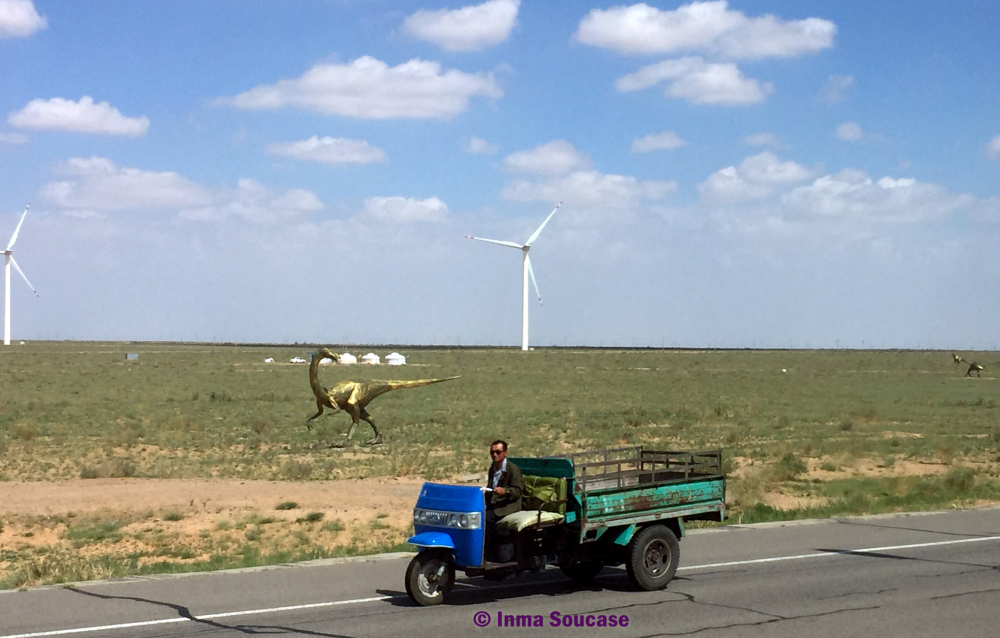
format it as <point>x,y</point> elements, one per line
<point>526,272</point>
<point>8,260</point>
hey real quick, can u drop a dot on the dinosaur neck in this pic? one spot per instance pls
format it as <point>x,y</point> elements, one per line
<point>314,376</point>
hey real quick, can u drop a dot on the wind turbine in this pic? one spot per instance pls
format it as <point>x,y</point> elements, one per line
<point>526,272</point>
<point>8,260</point>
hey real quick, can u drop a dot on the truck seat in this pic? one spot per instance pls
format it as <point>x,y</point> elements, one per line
<point>543,500</point>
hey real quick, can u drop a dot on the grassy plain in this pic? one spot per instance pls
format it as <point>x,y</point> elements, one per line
<point>805,433</point>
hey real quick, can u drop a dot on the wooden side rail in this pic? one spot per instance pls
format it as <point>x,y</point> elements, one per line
<point>626,467</point>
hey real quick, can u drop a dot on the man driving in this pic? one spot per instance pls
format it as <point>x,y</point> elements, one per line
<point>507,484</point>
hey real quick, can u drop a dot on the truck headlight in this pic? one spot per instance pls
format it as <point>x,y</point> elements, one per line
<point>454,520</point>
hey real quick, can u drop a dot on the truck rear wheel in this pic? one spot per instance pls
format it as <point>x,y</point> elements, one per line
<point>429,577</point>
<point>581,570</point>
<point>653,555</point>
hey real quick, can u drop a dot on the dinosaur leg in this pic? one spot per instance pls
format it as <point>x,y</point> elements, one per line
<point>377,440</point>
<point>319,407</point>
<point>353,410</point>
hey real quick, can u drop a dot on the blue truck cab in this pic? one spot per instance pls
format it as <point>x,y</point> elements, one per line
<point>451,517</point>
<point>581,512</point>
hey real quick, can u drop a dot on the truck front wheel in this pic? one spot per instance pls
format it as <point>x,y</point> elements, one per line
<point>653,554</point>
<point>429,577</point>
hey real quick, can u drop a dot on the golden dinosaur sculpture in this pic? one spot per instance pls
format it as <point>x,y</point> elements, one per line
<point>974,367</point>
<point>353,396</point>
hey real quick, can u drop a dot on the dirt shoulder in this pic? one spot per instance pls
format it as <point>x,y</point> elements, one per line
<point>70,530</point>
<point>348,499</point>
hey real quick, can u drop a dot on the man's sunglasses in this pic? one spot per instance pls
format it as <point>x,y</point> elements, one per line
<point>495,452</point>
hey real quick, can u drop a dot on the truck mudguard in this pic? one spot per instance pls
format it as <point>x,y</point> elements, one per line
<point>431,539</point>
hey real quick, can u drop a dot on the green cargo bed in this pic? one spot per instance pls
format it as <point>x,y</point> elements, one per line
<point>632,485</point>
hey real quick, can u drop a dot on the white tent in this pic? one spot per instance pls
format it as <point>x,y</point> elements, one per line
<point>347,358</point>
<point>371,358</point>
<point>395,359</point>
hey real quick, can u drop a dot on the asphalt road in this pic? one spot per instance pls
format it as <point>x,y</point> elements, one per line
<point>917,575</point>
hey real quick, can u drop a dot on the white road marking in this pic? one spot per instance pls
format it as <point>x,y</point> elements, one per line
<point>357,601</point>
<point>272,610</point>
<point>832,552</point>
<point>127,625</point>
<point>166,621</point>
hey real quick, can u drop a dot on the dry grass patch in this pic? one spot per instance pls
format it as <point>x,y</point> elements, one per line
<point>119,526</point>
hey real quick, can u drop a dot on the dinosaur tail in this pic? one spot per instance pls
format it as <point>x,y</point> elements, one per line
<point>386,386</point>
<point>378,388</point>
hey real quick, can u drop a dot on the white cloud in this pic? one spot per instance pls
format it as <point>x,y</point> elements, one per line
<point>698,81</point>
<point>766,168</point>
<point>59,114</point>
<point>764,197</point>
<point>405,209</point>
<point>763,139</point>
<point>850,132</point>
<point>466,29</point>
<point>557,156</point>
<point>13,138</point>
<point>329,150</point>
<point>836,87</point>
<point>566,174</point>
<point>297,199</point>
<point>852,194</point>
<point>97,185</point>
<point>993,148</point>
<point>726,186</point>
<point>479,146</point>
<point>590,189</point>
<point>254,203</point>
<point>369,89</point>
<point>19,19</point>
<point>708,27</point>
<point>756,177</point>
<point>657,142</point>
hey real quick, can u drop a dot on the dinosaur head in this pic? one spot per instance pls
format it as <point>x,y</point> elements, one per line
<point>326,353</point>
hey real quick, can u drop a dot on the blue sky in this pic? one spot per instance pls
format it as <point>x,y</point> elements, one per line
<point>742,174</point>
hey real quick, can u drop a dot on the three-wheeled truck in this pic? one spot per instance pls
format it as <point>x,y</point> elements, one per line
<point>580,511</point>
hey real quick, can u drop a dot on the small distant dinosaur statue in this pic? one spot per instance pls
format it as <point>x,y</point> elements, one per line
<point>974,367</point>
<point>958,359</point>
<point>353,396</point>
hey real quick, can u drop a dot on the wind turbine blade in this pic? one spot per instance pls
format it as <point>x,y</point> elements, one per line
<point>13,238</point>
<point>531,273</point>
<point>497,241</point>
<point>18,269</point>
<point>539,231</point>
